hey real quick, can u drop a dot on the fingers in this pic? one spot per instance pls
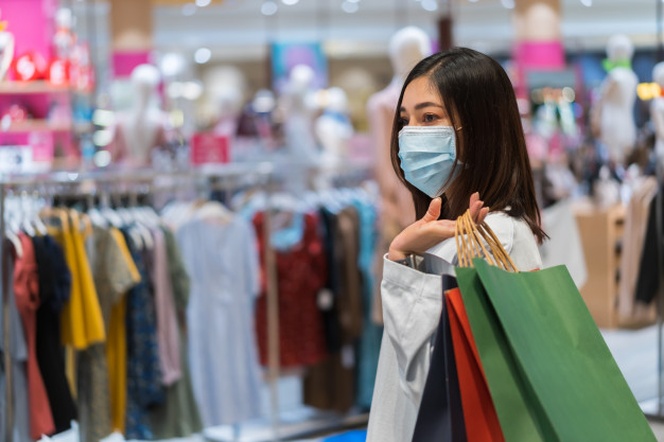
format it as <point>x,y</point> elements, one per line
<point>482,215</point>
<point>474,198</point>
<point>434,210</point>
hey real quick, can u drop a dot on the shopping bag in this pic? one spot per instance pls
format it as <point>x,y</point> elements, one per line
<point>549,348</point>
<point>478,408</point>
<point>519,414</point>
<point>440,415</point>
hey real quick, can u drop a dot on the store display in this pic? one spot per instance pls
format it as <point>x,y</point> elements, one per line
<point>612,117</point>
<point>178,306</point>
<point>406,47</point>
<point>141,128</point>
<point>6,49</point>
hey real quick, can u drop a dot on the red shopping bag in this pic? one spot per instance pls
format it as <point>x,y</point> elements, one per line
<point>482,424</point>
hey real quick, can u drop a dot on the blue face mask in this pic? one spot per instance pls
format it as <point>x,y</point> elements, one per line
<point>427,154</point>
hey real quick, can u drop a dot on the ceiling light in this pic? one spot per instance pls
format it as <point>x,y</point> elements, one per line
<point>202,55</point>
<point>189,9</point>
<point>429,5</point>
<point>508,4</point>
<point>349,7</point>
<point>203,3</point>
<point>587,3</point>
<point>290,2</point>
<point>269,8</point>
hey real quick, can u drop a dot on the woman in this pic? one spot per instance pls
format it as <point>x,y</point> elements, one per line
<point>456,136</point>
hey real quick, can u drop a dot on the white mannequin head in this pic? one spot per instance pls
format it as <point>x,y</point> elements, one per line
<point>658,74</point>
<point>619,48</point>
<point>337,101</point>
<point>145,79</point>
<point>407,47</point>
<point>225,91</point>
<point>300,78</point>
<point>263,101</point>
<point>64,18</point>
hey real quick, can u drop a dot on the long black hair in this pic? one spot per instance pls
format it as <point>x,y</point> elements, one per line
<point>480,101</point>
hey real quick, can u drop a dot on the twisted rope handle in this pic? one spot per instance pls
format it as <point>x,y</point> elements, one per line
<point>479,241</point>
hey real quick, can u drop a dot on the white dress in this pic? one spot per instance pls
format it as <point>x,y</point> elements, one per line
<point>412,302</point>
<point>221,258</point>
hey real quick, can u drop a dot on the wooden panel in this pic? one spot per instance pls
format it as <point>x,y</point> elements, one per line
<point>600,232</point>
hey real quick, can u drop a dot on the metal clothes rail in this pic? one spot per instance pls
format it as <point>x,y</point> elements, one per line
<point>224,177</point>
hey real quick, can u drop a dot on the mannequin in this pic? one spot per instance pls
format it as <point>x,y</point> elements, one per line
<point>64,38</point>
<point>299,109</point>
<point>141,128</point>
<point>225,87</point>
<point>657,115</point>
<point>407,47</point>
<point>6,49</point>
<point>613,119</point>
<point>334,129</point>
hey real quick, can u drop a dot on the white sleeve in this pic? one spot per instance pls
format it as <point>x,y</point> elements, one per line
<point>412,304</point>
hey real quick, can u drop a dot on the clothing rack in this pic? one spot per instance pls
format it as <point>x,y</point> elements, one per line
<point>223,177</point>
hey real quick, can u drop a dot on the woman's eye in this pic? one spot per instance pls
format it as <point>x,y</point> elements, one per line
<point>429,118</point>
<point>403,121</point>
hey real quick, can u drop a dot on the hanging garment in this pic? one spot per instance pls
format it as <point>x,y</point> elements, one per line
<point>112,279</point>
<point>301,274</point>
<point>369,346</point>
<point>26,293</point>
<point>116,343</point>
<point>19,355</point>
<point>144,388</point>
<point>54,292</point>
<point>647,284</point>
<point>220,257</point>
<point>167,326</point>
<point>634,237</point>
<point>330,385</point>
<point>82,321</point>
<point>178,416</point>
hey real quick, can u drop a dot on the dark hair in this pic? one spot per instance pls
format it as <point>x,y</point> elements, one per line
<point>479,99</point>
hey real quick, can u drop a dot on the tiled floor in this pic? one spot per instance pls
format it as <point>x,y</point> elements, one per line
<point>635,351</point>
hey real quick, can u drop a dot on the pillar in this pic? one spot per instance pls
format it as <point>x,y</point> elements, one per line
<point>131,34</point>
<point>538,44</point>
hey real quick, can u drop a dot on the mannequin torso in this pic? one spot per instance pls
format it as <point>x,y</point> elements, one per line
<point>617,126</point>
<point>614,119</point>
<point>140,129</point>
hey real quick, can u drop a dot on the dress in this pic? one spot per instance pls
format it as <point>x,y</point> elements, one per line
<point>412,302</point>
<point>54,291</point>
<point>178,416</point>
<point>144,388</point>
<point>220,257</point>
<point>301,274</point>
<point>369,346</point>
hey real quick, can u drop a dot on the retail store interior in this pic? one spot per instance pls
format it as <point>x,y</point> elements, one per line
<point>127,125</point>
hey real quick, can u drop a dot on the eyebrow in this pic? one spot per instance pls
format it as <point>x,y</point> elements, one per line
<point>419,106</point>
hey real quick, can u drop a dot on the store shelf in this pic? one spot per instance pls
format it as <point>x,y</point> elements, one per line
<point>30,87</point>
<point>35,126</point>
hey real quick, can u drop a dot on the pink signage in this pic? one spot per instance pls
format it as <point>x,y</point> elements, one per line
<point>209,148</point>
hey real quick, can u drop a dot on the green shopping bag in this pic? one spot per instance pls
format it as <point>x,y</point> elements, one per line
<point>550,373</point>
<point>516,406</point>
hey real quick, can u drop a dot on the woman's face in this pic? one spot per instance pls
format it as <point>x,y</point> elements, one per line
<point>422,106</point>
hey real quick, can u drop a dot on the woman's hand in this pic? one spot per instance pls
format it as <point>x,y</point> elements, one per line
<point>429,231</point>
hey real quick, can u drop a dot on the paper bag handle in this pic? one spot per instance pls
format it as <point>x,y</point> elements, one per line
<point>479,241</point>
